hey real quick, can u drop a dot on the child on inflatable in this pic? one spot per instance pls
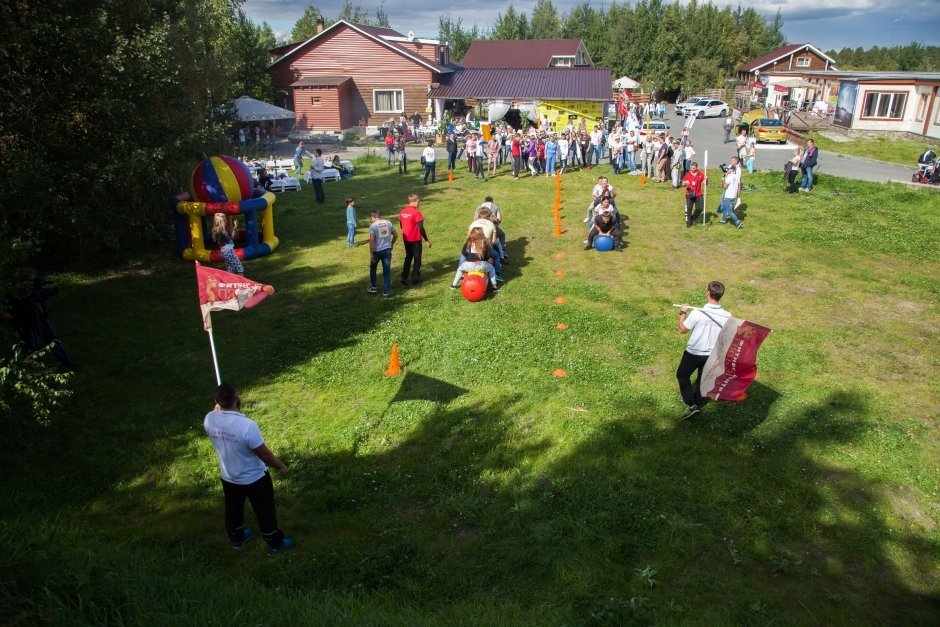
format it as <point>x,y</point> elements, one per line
<point>222,235</point>
<point>478,254</point>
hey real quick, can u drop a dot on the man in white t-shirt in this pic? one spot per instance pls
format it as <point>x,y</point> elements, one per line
<point>243,460</point>
<point>705,324</point>
<point>732,189</point>
<point>428,157</point>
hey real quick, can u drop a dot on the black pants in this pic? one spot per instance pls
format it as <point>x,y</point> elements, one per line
<point>698,202</point>
<point>261,496</point>
<point>412,253</point>
<point>430,170</point>
<point>318,190</point>
<point>516,165</point>
<point>791,179</point>
<point>690,363</point>
<point>452,161</point>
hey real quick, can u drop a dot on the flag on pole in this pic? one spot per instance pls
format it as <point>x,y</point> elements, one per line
<point>219,290</point>
<point>732,365</point>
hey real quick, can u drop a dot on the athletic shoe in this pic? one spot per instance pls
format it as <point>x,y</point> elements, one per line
<point>404,282</point>
<point>587,219</point>
<point>495,288</point>
<point>500,278</point>
<point>372,290</point>
<point>587,247</point>
<point>386,295</point>
<point>739,224</point>
<point>691,411</point>
<point>247,534</point>
<point>454,286</point>
<point>286,543</point>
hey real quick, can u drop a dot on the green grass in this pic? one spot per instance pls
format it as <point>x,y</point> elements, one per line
<point>477,488</point>
<point>902,151</point>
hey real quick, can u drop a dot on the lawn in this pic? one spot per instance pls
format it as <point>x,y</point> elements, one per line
<point>478,488</point>
<point>902,151</point>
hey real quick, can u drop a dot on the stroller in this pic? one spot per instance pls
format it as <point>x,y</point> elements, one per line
<point>928,169</point>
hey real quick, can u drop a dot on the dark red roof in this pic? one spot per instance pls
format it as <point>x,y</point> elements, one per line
<point>518,53</point>
<point>783,51</point>
<point>585,83</point>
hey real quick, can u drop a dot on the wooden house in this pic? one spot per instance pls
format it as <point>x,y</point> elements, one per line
<point>351,75</point>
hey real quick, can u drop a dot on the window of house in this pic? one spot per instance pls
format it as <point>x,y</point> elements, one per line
<point>442,55</point>
<point>561,61</point>
<point>388,100</point>
<point>922,108</point>
<point>802,62</point>
<point>889,105</point>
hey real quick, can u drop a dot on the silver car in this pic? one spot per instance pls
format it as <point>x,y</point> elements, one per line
<point>682,106</point>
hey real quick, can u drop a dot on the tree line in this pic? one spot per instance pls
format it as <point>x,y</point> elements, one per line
<point>668,47</point>
<point>914,57</point>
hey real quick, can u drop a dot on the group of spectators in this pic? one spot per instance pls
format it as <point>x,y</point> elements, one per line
<point>254,139</point>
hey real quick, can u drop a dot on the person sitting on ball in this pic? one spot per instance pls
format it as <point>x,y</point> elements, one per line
<point>476,255</point>
<point>484,219</point>
<point>605,223</point>
<point>496,219</point>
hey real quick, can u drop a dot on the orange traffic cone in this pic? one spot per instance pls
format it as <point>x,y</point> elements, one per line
<point>642,178</point>
<point>394,367</point>
<point>558,227</point>
<point>450,176</point>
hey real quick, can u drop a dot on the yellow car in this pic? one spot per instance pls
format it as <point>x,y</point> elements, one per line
<point>768,130</point>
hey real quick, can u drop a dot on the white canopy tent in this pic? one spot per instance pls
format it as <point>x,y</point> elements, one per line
<point>625,82</point>
<point>250,110</point>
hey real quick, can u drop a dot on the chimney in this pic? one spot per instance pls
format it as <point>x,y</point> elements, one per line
<point>319,27</point>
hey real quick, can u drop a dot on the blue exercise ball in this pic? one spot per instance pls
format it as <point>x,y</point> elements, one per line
<point>603,243</point>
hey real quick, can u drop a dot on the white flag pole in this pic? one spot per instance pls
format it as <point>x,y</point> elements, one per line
<point>705,191</point>
<point>215,359</point>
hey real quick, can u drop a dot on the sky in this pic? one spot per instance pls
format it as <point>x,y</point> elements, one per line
<point>827,24</point>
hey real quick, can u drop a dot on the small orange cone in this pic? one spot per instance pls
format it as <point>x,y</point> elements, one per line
<point>559,273</point>
<point>560,300</point>
<point>561,326</point>
<point>642,178</point>
<point>560,373</point>
<point>450,176</point>
<point>558,227</point>
<point>394,367</point>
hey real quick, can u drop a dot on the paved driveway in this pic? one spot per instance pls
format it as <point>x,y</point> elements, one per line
<point>708,134</point>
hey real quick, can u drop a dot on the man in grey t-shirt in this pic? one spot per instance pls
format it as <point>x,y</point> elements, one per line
<point>382,236</point>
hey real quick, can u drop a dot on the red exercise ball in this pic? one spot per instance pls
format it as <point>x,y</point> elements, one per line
<point>473,288</point>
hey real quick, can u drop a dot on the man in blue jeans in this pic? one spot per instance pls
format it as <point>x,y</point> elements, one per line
<point>810,158</point>
<point>732,190</point>
<point>382,236</point>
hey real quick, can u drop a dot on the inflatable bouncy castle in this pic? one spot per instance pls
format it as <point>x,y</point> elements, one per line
<point>223,184</point>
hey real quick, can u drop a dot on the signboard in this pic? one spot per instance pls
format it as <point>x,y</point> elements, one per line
<point>781,89</point>
<point>559,112</point>
<point>845,106</point>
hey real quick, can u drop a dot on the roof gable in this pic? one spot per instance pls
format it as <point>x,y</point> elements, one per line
<point>376,34</point>
<point>779,53</point>
<point>518,53</point>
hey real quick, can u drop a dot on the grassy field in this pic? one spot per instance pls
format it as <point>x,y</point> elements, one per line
<point>478,488</point>
<point>902,151</point>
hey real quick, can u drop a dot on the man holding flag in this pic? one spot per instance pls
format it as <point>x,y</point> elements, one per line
<point>705,324</point>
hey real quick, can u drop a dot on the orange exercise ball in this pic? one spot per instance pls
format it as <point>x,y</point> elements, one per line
<point>473,288</point>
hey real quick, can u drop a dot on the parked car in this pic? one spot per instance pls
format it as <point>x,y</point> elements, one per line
<point>655,128</point>
<point>708,109</point>
<point>768,130</point>
<point>680,107</point>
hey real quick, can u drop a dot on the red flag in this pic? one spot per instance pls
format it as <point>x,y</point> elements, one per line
<point>622,108</point>
<point>732,365</point>
<point>219,290</point>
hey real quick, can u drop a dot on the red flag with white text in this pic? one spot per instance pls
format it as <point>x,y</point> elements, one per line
<point>220,290</point>
<point>732,365</point>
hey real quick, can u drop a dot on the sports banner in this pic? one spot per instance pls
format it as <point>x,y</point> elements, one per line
<point>220,290</point>
<point>732,365</point>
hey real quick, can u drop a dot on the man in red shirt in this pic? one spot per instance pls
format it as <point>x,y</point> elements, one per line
<point>516,149</point>
<point>412,232</point>
<point>694,183</point>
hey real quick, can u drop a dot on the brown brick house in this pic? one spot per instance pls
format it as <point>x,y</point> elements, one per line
<point>350,74</point>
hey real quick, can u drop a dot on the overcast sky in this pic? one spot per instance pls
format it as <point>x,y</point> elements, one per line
<point>826,24</point>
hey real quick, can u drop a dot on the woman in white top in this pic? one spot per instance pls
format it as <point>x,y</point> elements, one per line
<point>689,155</point>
